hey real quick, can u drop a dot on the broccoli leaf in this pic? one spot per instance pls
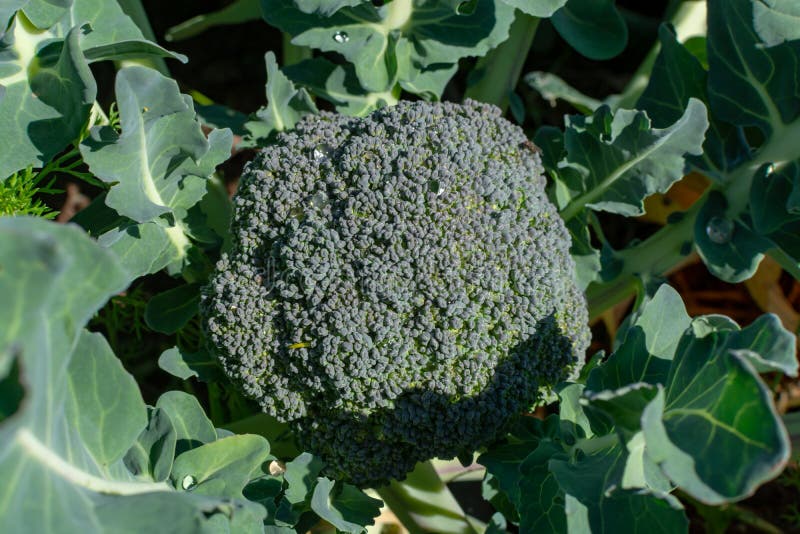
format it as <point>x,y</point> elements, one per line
<point>47,95</point>
<point>71,445</point>
<point>159,166</point>
<point>614,161</point>
<point>413,34</point>
<point>48,87</point>
<point>285,106</point>
<point>185,365</point>
<point>345,507</point>
<point>233,13</point>
<point>150,457</point>
<point>337,84</point>
<point>170,310</point>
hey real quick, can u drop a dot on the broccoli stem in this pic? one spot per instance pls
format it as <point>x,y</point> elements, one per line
<point>423,503</point>
<point>498,71</point>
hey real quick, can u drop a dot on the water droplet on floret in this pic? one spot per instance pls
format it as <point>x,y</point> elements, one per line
<point>319,200</point>
<point>719,230</point>
<point>322,152</point>
<point>341,37</point>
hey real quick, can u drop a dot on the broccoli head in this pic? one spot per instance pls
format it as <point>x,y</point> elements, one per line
<point>398,286</point>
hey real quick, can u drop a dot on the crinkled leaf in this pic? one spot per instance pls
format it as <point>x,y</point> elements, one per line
<point>202,365</point>
<point>677,77</point>
<point>415,33</point>
<point>592,27</point>
<point>541,502</point>
<point>220,468</point>
<point>618,160</point>
<point>150,457</point>
<point>170,310</point>
<point>325,7</point>
<point>154,160</point>
<point>346,508</point>
<point>285,105</point>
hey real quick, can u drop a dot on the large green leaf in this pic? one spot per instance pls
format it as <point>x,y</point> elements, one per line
<point>65,453</point>
<point>47,85</point>
<point>414,34</point>
<point>614,161</point>
<point>159,165</point>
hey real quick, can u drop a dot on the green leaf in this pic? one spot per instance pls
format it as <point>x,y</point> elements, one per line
<point>541,501</point>
<point>153,160</point>
<point>743,87</point>
<point>47,95</point>
<point>192,427</point>
<point>107,429</point>
<point>677,77</point>
<point>347,509</point>
<point>169,311</point>
<point>223,467</point>
<point>593,27</point>
<point>202,365</point>
<point>648,347</point>
<point>325,7</point>
<point>285,105</point>
<point>236,12</point>
<point>414,33</point>
<point>775,197</point>
<point>537,8</point>
<point>776,21</point>
<point>706,437</point>
<point>150,457</point>
<point>767,345</point>
<point>68,450</point>
<point>337,84</point>
<point>45,13</point>
<point>615,161</point>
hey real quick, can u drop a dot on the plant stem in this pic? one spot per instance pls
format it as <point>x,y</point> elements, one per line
<point>423,503</point>
<point>500,69</point>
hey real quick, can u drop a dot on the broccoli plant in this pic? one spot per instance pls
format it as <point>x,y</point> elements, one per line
<point>401,280</point>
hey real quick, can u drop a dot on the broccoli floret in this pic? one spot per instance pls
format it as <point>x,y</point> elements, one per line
<point>398,286</point>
